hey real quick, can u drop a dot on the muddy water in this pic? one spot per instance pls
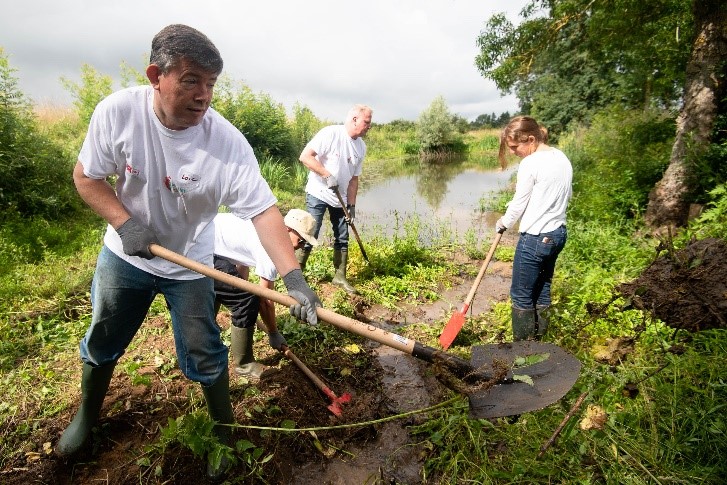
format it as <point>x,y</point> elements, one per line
<point>448,202</point>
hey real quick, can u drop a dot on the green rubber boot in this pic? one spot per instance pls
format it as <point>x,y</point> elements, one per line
<point>94,384</point>
<point>243,360</point>
<point>220,410</point>
<point>523,324</point>
<point>340,261</point>
<point>543,315</point>
<point>302,256</point>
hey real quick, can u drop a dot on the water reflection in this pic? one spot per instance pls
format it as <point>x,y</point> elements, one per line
<point>445,196</point>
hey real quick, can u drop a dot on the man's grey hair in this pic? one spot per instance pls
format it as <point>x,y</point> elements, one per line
<point>176,42</point>
<point>358,109</point>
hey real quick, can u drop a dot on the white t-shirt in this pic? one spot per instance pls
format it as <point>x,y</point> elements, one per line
<point>542,192</point>
<point>237,241</point>
<point>172,181</point>
<point>342,156</point>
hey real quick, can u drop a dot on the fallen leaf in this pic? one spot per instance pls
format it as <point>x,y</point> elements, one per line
<point>595,418</point>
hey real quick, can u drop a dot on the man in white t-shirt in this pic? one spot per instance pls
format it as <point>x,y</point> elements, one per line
<point>237,249</point>
<point>175,161</point>
<point>335,158</point>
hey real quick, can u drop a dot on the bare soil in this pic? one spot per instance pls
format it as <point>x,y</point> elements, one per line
<point>686,289</point>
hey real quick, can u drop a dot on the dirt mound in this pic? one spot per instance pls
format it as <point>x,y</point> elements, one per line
<point>686,289</point>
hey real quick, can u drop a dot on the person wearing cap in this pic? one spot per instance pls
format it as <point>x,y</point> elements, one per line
<point>334,157</point>
<point>237,249</point>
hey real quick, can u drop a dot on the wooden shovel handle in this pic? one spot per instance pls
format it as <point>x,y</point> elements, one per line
<point>344,323</point>
<point>476,284</point>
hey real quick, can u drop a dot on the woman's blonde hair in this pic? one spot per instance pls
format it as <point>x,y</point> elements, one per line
<point>519,130</point>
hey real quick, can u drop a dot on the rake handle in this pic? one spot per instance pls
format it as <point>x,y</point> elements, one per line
<point>316,380</point>
<point>350,223</point>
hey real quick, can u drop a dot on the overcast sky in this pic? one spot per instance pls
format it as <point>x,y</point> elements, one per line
<point>394,55</point>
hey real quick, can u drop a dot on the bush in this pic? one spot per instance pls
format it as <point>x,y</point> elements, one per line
<point>436,129</point>
<point>263,121</point>
<point>36,173</point>
<point>617,161</point>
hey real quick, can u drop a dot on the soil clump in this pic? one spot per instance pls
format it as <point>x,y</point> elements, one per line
<point>686,289</point>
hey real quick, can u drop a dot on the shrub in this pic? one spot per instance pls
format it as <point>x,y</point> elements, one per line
<point>436,129</point>
<point>36,173</point>
<point>263,121</point>
<point>617,161</point>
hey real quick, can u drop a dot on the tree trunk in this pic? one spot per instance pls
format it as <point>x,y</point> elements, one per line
<point>704,86</point>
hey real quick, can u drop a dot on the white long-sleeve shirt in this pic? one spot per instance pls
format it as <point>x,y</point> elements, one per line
<point>542,192</point>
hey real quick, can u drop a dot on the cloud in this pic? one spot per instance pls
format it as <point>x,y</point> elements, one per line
<point>396,56</point>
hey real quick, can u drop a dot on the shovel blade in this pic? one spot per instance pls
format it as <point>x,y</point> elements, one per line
<point>547,381</point>
<point>450,331</point>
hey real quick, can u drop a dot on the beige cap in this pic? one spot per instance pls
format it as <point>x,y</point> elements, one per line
<point>302,223</point>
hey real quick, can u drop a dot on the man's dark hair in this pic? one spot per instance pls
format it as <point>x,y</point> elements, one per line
<point>175,42</point>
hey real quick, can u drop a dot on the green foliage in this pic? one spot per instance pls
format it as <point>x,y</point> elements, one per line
<point>263,121</point>
<point>616,162</point>
<point>394,139</point>
<point>93,88</point>
<point>713,221</point>
<point>36,178</point>
<point>491,120</point>
<point>436,130</point>
<point>570,58</point>
<point>305,125</point>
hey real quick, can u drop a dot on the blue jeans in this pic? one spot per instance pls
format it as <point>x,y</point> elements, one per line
<point>121,295</point>
<point>317,208</point>
<point>532,270</point>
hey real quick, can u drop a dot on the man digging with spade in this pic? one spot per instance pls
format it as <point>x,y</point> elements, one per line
<point>175,162</point>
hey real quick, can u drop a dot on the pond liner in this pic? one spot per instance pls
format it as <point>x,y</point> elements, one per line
<point>494,380</point>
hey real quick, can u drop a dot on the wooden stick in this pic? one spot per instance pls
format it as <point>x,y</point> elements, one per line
<point>562,424</point>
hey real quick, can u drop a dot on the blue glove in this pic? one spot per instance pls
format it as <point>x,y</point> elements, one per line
<point>136,239</point>
<point>306,300</point>
<point>351,213</point>
<point>331,182</point>
<point>276,340</point>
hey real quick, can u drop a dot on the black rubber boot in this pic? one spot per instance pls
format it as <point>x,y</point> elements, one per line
<point>243,360</point>
<point>302,256</point>
<point>523,324</point>
<point>543,314</point>
<point>94,384</point>
<point>220,409</point>
<point>340,261</point>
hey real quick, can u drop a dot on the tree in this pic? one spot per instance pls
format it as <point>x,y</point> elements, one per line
<point>435,127</point>
<point>570,58</point>
<point>93,88</point>
<point>704,91</point>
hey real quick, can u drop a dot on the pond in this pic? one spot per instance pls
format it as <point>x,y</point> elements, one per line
<point>444,197</point>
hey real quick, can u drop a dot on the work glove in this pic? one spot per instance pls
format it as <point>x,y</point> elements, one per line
<point>306,299</point>
<point>331,182</point>
<point>136,239</point>
<point>276,340</point>
<point>351,212</point>
<point>500,227</point>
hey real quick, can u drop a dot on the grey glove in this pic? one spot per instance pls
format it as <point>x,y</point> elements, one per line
<point>331,182</point>
<point>500,227</point>
<point>351,212</point>
<point>136,239</point>
<point>307,300</point>
<point>276,340</point>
